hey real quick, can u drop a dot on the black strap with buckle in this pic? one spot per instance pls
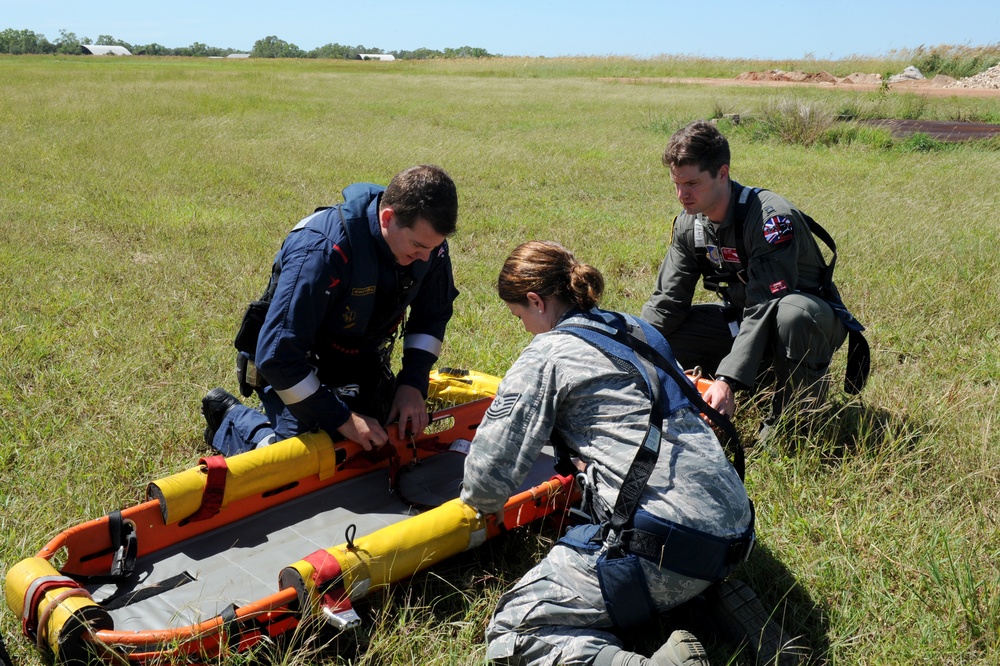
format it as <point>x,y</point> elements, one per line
<point>691,552</point>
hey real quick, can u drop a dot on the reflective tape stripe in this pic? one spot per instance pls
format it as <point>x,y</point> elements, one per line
<point>306,220</point>
<point>699,236</point>
<point>428,343</point>
<point>300,391</point>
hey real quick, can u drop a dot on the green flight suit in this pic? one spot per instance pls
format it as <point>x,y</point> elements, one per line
<point>774,317</point>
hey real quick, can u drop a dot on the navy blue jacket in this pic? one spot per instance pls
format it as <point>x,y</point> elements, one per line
<point>340,291</point>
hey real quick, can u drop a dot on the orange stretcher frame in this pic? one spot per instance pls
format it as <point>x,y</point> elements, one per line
<point>67,625</point>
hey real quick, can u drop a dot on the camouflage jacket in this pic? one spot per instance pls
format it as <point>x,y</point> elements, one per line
<point>562,383</point>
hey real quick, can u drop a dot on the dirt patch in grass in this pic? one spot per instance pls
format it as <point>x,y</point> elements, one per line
<point>941,130</point>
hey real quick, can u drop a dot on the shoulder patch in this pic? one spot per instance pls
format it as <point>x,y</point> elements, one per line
<point>778,231</point>
<point>502,405</point>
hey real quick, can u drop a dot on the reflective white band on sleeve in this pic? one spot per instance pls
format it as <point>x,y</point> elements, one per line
<point>303,222</point>
<point>428,343</point>
<point>300,391</point>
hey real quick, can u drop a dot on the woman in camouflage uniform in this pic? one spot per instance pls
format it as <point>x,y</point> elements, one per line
<point>563,387</point>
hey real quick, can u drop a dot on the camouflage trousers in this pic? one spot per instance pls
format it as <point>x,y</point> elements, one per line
<point>555,614</point>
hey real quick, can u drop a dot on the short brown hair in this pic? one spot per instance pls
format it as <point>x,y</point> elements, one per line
<point>699,143</point>
<point>423,192</point>
<point>549,270</point>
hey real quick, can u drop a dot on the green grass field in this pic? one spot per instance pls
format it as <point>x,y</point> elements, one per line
<point>142,201</point>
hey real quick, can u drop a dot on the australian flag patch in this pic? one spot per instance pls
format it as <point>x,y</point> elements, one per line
<point>778,231</point>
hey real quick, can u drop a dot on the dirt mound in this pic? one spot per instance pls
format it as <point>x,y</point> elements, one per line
<point>798,76</point>
<point>858,78</point>
<point>862,79</point>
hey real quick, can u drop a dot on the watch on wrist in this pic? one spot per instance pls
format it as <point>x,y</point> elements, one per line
<point>727,381</point>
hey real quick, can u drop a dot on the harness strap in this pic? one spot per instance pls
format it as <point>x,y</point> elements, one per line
<point>732,442</point>
<point>645,458</point>
<point>688,551</point>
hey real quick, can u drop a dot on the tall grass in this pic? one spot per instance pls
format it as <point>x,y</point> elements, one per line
<point>142,200</point>
<point>957,61</point>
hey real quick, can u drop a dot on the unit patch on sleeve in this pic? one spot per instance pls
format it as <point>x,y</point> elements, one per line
<point>779,287</point>
<point>778,231</point>
<point>502,405</point>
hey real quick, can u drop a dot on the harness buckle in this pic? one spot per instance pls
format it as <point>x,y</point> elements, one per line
<point>739,550</point>
<point>341,619</point>
<point>348,391</point>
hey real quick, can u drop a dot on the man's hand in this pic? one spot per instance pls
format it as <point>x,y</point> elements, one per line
<point>364,430</point>
<point>720,396</point>
<point>409,407</point>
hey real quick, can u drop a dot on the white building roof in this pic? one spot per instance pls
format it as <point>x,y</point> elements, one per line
<point>98,49</point>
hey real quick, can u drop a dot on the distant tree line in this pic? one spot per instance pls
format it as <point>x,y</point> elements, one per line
<point>17,42</point>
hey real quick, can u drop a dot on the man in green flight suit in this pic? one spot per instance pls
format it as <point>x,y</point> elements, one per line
<point>779,306</point>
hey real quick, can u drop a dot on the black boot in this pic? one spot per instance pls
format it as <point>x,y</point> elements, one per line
<point>215,405</point>
<point>745,621</point>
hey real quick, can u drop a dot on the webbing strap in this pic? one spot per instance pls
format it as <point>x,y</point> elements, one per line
<point>648,452</point>
<point>125,543</point>
<point>645,458</point>
<point>117,601</point>
<point>124,549</point>
<point>230,626</point>
<point>732,441</point>
<point>217,471</point>
<point>326,568</point>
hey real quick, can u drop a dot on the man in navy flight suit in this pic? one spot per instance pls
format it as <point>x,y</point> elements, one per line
<point>346,280</point>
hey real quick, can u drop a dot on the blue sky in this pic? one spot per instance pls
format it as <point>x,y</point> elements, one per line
<point>773,29</point>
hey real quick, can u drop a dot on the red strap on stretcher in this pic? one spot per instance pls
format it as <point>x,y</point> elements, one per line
<point>33,596</point>
<point>325,566</point>
<point>215,488</point>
